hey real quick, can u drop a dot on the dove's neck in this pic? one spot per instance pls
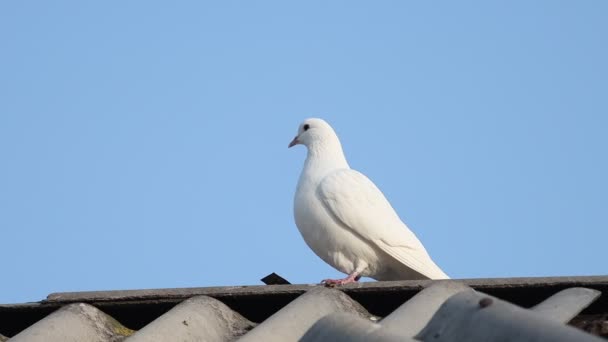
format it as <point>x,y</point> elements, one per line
<point>322,159</point>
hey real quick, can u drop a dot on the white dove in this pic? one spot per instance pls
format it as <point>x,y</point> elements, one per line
<point>346,220</point>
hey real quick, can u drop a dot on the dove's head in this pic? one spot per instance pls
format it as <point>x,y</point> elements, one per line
<point>313,131</point>
<point>324,148</point>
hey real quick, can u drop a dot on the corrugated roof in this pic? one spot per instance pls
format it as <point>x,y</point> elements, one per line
<point>522,309</point>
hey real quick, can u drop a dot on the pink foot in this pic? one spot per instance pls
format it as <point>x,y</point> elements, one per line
<point>352,278</point>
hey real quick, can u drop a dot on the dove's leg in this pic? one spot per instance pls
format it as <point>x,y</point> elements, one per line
<point>352,278</point>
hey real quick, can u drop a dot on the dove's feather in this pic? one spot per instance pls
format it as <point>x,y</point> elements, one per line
<point>360,206</point>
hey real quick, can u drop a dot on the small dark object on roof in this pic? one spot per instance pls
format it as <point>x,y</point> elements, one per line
<point>274,279</point>
<point>485,302</point>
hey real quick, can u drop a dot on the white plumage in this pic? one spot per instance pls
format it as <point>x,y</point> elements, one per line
<point>346,220</point>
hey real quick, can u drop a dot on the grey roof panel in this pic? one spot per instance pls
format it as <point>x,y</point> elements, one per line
<point>477,317</point>
<point>75,322</point>
<point>411,317</point>
<point>287,312</point>
<point>343,327</point>
<point>566,304</point>
<point>199,318</point>
<point>291,322</point>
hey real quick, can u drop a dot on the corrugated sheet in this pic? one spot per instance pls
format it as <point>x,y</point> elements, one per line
<point>469,310</point>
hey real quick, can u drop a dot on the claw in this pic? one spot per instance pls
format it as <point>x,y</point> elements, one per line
<point>352,278</point>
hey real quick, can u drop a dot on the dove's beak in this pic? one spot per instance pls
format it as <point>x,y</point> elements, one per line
<point>294,142</point>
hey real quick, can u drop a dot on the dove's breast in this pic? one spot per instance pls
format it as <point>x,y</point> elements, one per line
<point>329,239</point>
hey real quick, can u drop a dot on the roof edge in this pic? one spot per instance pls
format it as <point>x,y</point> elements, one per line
<point>252,290</point>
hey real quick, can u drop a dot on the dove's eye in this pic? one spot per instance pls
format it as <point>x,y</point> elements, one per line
<point>306,127</point>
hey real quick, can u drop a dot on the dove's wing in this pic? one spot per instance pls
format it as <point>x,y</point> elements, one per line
<point>352,199</point>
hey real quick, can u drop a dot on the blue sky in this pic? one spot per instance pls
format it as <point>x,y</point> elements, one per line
<point>144,144</point>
